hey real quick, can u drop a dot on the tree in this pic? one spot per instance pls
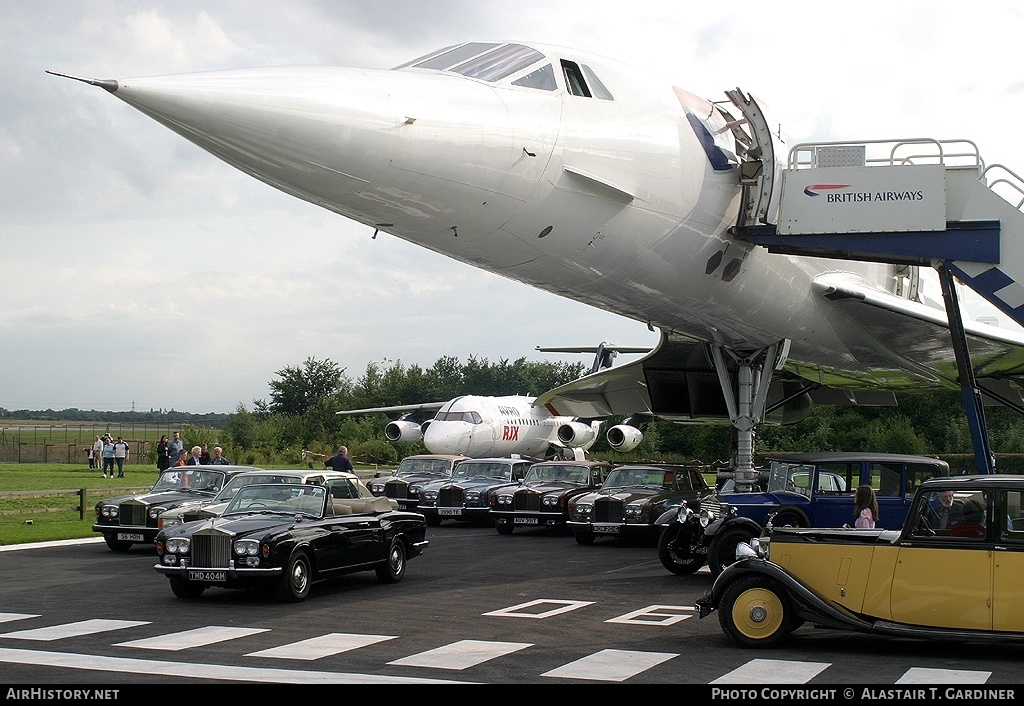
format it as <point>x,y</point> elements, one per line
<point>303,389</point>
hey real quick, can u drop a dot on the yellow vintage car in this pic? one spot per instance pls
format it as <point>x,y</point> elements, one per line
<point>953,572</point>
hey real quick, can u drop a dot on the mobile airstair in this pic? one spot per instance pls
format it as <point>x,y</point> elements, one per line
<point>911,202</point>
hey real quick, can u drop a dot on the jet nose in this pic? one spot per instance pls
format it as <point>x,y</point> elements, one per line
<point>445,438</point>
<point>292,127</point>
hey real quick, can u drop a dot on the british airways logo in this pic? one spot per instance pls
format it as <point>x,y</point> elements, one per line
<point>816,189</point>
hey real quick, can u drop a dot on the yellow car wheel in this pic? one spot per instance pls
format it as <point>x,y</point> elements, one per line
<point>755,612</point>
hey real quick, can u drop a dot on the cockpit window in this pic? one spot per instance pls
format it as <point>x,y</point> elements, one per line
<point>499,63</point>
<point>471,417</point>
<point>574,79</point>
<point>450,57</point>
<point>596,87</point>
<point>542,78</point>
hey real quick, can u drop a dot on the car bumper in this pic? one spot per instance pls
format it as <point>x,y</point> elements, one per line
<point>128,533</point>
<point>610,528</point>
<point>203,574</point>
<point>529,519</point>
<point>453,512</point>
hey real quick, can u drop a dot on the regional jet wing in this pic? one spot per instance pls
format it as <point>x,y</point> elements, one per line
<point>413,410</point>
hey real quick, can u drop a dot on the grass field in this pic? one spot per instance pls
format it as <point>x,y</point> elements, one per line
<point>29,514</point>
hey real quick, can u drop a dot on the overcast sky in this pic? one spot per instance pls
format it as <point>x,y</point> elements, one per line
<point>138,271</point>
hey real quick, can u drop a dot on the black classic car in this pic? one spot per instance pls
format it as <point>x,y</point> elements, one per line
<point>132,519</point>
<point>407,481</point>
<point>542,499</point>
<point>633,498</point>
<point>287,536</point>
<point>467,494</point>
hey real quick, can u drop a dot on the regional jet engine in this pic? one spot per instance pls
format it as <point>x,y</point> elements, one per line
<point>575,434</point>
<point>623,437</point>
<point>403,432</point>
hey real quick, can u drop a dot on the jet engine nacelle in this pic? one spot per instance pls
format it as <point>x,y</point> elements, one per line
<point>403,432</point>
<point>623,437</point>
<point>576,434</point>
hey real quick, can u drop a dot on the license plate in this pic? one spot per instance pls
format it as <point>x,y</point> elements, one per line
<point>130,537</point>
<point>449,511</point>
<point>196,575</point>
<point>606,529</point>
<point>525,520</point>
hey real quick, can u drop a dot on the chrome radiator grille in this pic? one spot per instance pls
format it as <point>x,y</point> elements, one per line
<point>450,496</point>
<point>132,514</point>
<point>526,501</point>
<point>211,551</point>
<point>711,502</point>
<point>396,489</point>
<point>609,510</point>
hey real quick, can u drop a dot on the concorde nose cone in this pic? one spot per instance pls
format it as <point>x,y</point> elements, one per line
<point>315,132</point>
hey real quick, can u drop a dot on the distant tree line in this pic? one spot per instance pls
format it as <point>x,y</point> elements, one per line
<point>73,414</point>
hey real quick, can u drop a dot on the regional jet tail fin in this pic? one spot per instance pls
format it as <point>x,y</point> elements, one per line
<point>604,352</point>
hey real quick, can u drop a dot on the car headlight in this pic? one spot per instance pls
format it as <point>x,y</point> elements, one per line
<point>377,489</point>
<point>707,517</point>
<point>415,490</point>
<point>549,501</point>
<point>504,500</point>
<point>635,510</point>
<point>430,496</point>
<point>164,522</point>
<point>109,511</point>
<point>583,508</point>
<point>178,545</point>
<point>473,496</point>
<point>154,512</point>
<point>247,547</point>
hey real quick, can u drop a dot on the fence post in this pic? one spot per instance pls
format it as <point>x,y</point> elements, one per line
<point>81,503</point>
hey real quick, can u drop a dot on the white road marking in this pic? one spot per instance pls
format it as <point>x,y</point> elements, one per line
<point>672,615</point>
<point>924,675</point>
<point>773,671</point>
<point>521,610</point>
<point>191,638</point>
<point>323,646</point>
<point>462,654</point>
<point>44,545</point>
<point>610,665</point>
<point>169,670</point>
<point>84,627</point>
<point>8,617</point>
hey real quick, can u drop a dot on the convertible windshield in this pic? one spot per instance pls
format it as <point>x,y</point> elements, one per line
<point>544,473</point>
<point>241,481</point>
<point>467,469</point>
<point>203,481</point>
<point>292,499</point>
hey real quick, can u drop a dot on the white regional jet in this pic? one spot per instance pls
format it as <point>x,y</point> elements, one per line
<point>482,426</point>
<point>602,183</point>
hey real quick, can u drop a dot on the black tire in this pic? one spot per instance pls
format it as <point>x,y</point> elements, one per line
<point>755,611</point>
<point>504,527</point>
<point>674,556</point>
<point>788,518</point>
<point>583,537</point>
<point>293,586</point>
<point>722,551</point>
<point>185,589</point>
<point>116,545</point>
<point>393,569</point>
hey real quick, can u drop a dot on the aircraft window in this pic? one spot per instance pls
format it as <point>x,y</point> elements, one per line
<point>574,79</point>
<point>418,59</point>
<point>596,86</point>
<point>542,78</point>
<point>454,56</point>
<point>499,63</point>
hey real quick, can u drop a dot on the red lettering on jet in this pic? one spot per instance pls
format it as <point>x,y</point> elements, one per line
<point>510,433</point>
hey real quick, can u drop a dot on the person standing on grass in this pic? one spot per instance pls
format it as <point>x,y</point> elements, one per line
<point>340,461</point>
<point>97,452</point>
<point>120,456</point>
<point>163,457</point>
<point>108,456</point>
<point>174,448</point>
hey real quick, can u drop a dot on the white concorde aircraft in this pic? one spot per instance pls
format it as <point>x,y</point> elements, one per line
<point>599,182</point>
<point>481,426</point>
